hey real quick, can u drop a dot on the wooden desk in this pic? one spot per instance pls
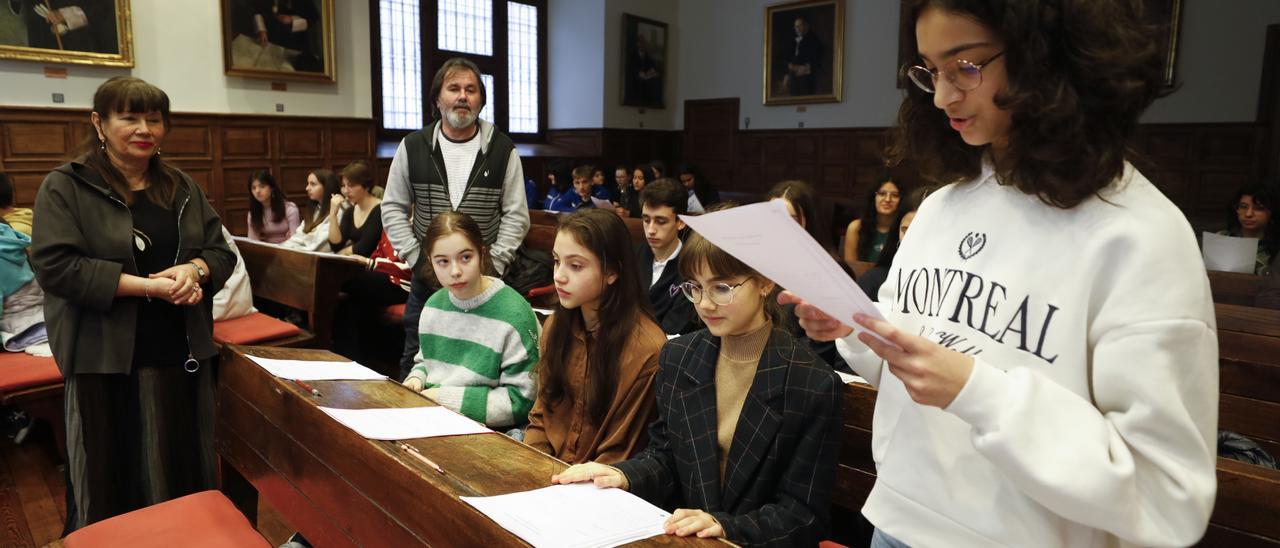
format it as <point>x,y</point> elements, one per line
<point>340,489</point>
<point>1234,287</point>
<point>304,280</point>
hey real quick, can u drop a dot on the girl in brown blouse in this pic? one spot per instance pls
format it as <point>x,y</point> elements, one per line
<point>599,351</point>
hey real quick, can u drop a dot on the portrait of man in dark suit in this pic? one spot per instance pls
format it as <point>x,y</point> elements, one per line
<point>60,25</point>
<point>803,55</point>
<point>644,65</point>
<point>285,36</point>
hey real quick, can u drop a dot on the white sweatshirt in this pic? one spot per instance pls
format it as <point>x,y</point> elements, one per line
<point>1090,417</point>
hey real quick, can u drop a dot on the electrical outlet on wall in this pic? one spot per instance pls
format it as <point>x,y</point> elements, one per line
<point>279,107</point>
<point>59,98</point>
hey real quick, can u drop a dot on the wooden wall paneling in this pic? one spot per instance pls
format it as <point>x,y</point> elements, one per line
<point>37,141</point>
<point>348,143</point>
<point>25,185</point>
<point>293,180</point>
<point>246,142</point>
<point>301,143</point>
<point>189,141</point>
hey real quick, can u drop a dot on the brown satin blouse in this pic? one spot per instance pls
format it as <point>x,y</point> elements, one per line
<point>564,431</point>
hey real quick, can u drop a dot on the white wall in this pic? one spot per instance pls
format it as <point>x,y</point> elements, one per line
<point>178,47</point>
<point>576,63</point>
<point>616,115</point>
<point>1219,63</point>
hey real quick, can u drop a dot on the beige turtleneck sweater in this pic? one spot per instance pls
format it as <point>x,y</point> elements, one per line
<point>735,370</point>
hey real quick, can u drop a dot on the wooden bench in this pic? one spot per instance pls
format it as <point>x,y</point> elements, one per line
<point>1248,501</point>
<point>1234,287</point>
<point>308,281</point>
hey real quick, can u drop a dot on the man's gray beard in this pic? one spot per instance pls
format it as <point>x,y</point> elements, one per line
<point>460,121</point>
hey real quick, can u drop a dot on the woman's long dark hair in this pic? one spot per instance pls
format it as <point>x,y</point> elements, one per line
<point>1080,74</point>
<point>317,211</point>
<point>804,199</point>
<point>604,235</point>
<point>1264,193</point>
<point>120,95</point>
<point>702,187</point>
<point>867,228</point>
<point>277,199</point>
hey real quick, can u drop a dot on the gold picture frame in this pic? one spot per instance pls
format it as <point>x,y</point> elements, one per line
<point>279,39</point>
<point>64,31</point>
<point>803,52</point>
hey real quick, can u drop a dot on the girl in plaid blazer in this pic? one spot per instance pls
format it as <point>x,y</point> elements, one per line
<point>746,436</point>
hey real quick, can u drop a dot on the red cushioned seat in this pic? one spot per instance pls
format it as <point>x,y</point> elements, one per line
<point>830,544</point>
<point>203,520</point>
<point>251,329</point>
<point>19,371</point>
<point>393,314</point>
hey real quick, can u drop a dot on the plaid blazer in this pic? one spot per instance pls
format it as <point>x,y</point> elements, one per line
<point>782,461</point>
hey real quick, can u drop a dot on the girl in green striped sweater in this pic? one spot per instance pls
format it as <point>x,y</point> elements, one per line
<point>479,337</point>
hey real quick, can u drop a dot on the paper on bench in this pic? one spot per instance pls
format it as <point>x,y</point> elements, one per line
<point>405,423</point>
<point>1229,254</point>
<point>851,379</point>
<point>766,238</point>
<point>575,515</point>
<point>317,370</point>
<point>601,204</point>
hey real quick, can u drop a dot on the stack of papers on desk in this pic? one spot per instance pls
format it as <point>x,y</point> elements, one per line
<point>405,423</point>
<point>571,516</point>
<point>317,370</point>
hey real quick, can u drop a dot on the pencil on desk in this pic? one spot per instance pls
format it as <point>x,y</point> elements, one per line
<point>418,455</point>
<point>306,387</point>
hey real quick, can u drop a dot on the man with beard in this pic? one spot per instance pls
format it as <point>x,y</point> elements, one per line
<point>461,163</point>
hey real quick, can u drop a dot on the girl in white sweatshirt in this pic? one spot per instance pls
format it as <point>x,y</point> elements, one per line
<point>1052,378</point>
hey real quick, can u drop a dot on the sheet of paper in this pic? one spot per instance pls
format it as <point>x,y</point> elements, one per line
<point>601,204</point>
<point>1229,254</point>
<point>545,311</point>
<point>851,379</point>
<point>405,423</point>
<point>317,370</point>
<point>767,239</point>
<point>572,516</point>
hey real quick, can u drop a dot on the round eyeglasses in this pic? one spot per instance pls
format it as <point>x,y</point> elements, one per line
<point>720,293</point>
<point>961,74</point>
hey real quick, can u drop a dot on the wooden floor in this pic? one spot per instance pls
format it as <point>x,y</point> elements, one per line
<point>33,495</point>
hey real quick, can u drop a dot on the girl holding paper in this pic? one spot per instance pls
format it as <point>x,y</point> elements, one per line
<point>478,338</point>
<point>748,426</point>
<point>1048,370</point>
<point>1250,217</point>
<point>599,351</point>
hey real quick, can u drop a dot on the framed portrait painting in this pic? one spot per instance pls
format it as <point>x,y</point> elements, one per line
<point>644,72</point>
<point>84,32</point>
<point>278,39</point>
<point>803,52</point>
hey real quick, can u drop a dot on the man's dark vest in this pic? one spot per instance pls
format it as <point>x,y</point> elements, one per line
<point>482,200</point>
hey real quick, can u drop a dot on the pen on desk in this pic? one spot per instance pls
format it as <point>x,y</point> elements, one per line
<point>307,387</point>
<point>418,455</point>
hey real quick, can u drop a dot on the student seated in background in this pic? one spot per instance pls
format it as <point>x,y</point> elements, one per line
<point>478,338</point>
<point>18,217</point>
<point>601,188</point>
<point>701,192</point>
<point>871,280</point>
<point>747,431</point>
<point>661,204</point>
<point>580,197</point>
<point>1269,295</point>
<point>1249,216</point>
<point>629,203</point>
<point>355,218</point>
<point>559,181</point>
<point>621,182</point>
<point>323,187</point>
<point>599,350</point>
<point>272,217</point>
<point>866,235</point>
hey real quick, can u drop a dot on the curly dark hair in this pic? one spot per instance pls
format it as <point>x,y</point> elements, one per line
<point>1263,193</point>
<point>1080,73</point>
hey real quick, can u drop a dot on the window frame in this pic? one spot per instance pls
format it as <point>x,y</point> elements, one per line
<point>432,57</point>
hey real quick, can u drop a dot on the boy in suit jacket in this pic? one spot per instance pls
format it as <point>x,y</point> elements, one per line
<point>661,204</point>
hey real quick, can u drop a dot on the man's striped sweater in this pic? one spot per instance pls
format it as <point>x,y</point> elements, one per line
<point>480,353</point>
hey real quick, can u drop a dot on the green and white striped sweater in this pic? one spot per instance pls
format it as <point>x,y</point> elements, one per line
<point>480,354</point>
